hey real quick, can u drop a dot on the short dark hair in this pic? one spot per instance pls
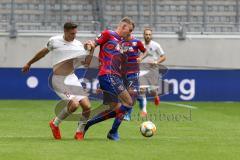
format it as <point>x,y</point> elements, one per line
<point>128,21</point>
<point>70,25</point>
<point>147,29</point>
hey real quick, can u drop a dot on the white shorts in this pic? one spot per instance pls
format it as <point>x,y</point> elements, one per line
<point>149,77</point>
<point>68,87</point>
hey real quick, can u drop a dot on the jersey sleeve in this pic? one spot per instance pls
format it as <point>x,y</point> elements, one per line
<point>159,49</point>
<point>102,37</point>
<point>50,44</point>
<point>141,47</point>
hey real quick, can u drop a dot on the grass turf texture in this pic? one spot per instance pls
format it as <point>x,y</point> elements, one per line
<point>212,132</point>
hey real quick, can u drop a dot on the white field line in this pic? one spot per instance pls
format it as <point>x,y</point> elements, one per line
<point>180,105</point>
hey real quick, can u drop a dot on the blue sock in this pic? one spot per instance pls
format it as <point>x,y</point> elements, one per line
<point>100,117</point>
<point>119,117</point>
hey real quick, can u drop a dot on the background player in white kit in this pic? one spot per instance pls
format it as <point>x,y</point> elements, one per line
<point>155,55</point>
<point>64,49</point>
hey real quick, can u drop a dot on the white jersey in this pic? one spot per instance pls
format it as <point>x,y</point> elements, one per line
<point>62,50</point>
<point>154,51</point>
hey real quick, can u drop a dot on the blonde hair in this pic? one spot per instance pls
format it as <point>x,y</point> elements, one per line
<point>128,21</point>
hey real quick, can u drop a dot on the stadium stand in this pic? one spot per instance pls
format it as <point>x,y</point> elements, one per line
<point>93,15</point>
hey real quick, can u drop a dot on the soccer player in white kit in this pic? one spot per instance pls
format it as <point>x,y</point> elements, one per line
<point>64,49</point>
<point>155,55</point>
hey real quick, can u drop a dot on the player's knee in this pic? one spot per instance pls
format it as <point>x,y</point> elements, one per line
<point>129,102</point>
<point>85,103</point>
<point>73,105</point>
<point>85,106</point>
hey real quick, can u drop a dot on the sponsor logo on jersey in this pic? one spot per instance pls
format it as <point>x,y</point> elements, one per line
<point>134,43</point>
<point>118,47</point>
<point>131,49</point>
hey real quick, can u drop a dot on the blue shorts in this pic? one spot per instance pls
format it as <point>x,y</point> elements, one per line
<point>131,81</point>
<point>112,86</point>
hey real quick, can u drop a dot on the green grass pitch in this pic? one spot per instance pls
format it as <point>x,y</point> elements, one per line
<point>212,131</point>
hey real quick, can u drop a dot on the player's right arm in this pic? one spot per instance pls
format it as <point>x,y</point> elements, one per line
<point>37,57</point>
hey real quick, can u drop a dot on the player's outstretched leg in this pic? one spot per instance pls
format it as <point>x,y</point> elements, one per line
<point>107,114</point>
<point>100,117</point>
<point>111,101</point>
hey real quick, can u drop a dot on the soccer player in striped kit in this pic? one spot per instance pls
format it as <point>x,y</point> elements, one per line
<point>110,76</point>
<point>134,52</point>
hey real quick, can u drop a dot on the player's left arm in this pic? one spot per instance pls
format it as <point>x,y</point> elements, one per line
<point>89,57</point>
<point>160,52</point>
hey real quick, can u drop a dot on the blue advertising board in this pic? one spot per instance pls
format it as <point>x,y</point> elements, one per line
<point>188,85</point>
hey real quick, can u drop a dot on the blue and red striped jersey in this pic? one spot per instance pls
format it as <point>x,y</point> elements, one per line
<point>132,50</point>
<point>110,57</point>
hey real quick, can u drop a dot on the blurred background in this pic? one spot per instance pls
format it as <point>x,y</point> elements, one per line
<point>200,38</point>
<point>164,16</point>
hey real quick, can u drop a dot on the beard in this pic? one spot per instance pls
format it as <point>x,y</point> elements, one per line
<point>148,40</point>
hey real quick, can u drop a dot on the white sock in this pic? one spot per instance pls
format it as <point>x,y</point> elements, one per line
<point>144,104</point>
<point>80,127</point>
<point>61,116</point>
<point>57,121</point>
<point>81,124</point>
